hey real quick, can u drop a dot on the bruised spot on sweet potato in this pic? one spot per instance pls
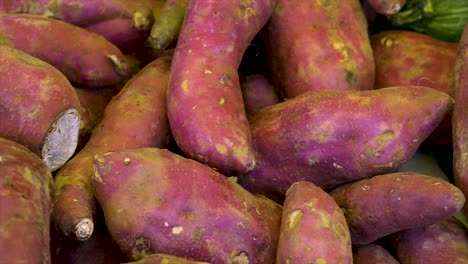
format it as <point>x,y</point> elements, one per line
<point>184,86</point>
<point>246,9</point>
<point>294,218</point>
<point>239,258</point>
<point>142,247</point>
<point>198,232</point>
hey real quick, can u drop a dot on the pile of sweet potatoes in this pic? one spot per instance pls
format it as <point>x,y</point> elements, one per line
<point>229,132</point>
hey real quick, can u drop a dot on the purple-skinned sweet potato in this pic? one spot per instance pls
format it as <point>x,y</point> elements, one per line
<point>373,254</point>
<point>388,203</point>
<point>185,208</point>
<point>387,7</point>
<point>460,118</point>
<point>319,45</point>
<point>25,205</point>
<point>135,118</point>
<point>333,137</point>
<point>443,242</point>
<point>164,259</point>
<point>257,92</point>
<point>205,106</point>
<point>39,108</point>
<point>86,58</point>
<point>313,228</point>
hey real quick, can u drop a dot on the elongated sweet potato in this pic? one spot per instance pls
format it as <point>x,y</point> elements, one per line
<point>313,228</point>
<point>319,45</point>
<point>38,107</point>
<point>26,204</point>
<point>387,7</point>
<point>460,118</point>
<point>443,242</point>
<point>84,57</point>
<point>334,137</point>
<point>257,93</point>
<point>205,106</point>
<point>185,208</point>
<point>135,118</point>
<point>164,259</point>
<point>373,254</point>
<point>389,203</point>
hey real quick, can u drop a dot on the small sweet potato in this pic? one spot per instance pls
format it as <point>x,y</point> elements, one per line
<point>257,93</point>
<point>442,242</point>
<point>84,57</point>
<point>164,259</point>
<point>387,7</point>
<point>184,208</point>
<point>25,205</point>
<point>333,137</point>
<point>319,45</point>
<point>39,108</point>
<point>313,228</point>
<point>388,203</point>
<point>373,254</point>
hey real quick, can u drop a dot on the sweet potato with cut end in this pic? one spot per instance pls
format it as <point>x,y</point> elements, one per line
<point>135,118</point>
<point>334,137</point>
<point>389,203</point>
<point>205,106</point>
<point>313,228</point>
<point>373,254</point>
<point>257,93</point>
<point>443,242</point>
<point>38,107</point>
<point>185,208</point>
<point>84,57</point>
<point>164,259</point>
<point>460,118</point>
<point>387,7</point>
<point>25,202</point>
<point>338,54</point>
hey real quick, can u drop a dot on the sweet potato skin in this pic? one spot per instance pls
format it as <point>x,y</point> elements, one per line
<point>333,137</point>
<point>389,203</point>
<point>164,259</point>
<point>81,55</point>
<point>387,7</point>
<point>373,254</point>
<point>25,202</point>
<point>134,118</point>
<point>34,93</point>
<point>258,92</point>
<point>313,228</point>
<point>443,242</point>
<point>338,54</point>
<point>175,216</point>
<point>205,109</point>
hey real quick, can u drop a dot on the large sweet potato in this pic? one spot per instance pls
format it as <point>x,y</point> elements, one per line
<point>205,106</point>
<point>38,107</point>
<point>84,57</point>
<point>319,45</point>
<point>313,228</point>
<point>134,118</point>
<point>389,203</point>
<point>184,208</point>
<point>25,205</point>
<point>334,137</point>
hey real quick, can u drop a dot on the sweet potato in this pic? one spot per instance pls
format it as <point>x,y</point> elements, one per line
<point>185,208</point>
<point>257,93</point>
<point>319,45</point>
<point>84,57</point>
<point>25,202</point>
<point>387,7</point>
<point>167,25</point>
<point>38,107</point>
<point>460,118</point>
<point>134,118</point>
<point>333,137</point>
<point>389,203</point>
<point>164,259</point>
<point>313,228</point>
<point>373,254</point>
<point>205,109</point>
<point>442,242</point>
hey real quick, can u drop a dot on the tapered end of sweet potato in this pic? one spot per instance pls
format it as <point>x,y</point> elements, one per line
<point>84,229</point>
<point>62,139</point>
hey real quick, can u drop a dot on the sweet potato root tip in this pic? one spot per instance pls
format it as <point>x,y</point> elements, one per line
<point>84,229</point>
<point>143,19</point>
<point>62,139</point>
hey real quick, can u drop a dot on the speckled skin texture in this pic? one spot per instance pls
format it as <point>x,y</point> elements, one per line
<point>460,118</point>
<point>373,254</point>
<point>164,259</point>
<point>25,202</point>
<point>33,94</point>
<point>334,137</point>
<point>135,118</point>
<point>442,242</point>
<point>205,108</point>
<point>80,55</point>
<point>313,228</point>
<point>185,209</point>
<point>389,203</point>
<point>258,92</point>
<point>319,45</point>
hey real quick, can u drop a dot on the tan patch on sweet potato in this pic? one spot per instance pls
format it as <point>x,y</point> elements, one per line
<point>293,219</point>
